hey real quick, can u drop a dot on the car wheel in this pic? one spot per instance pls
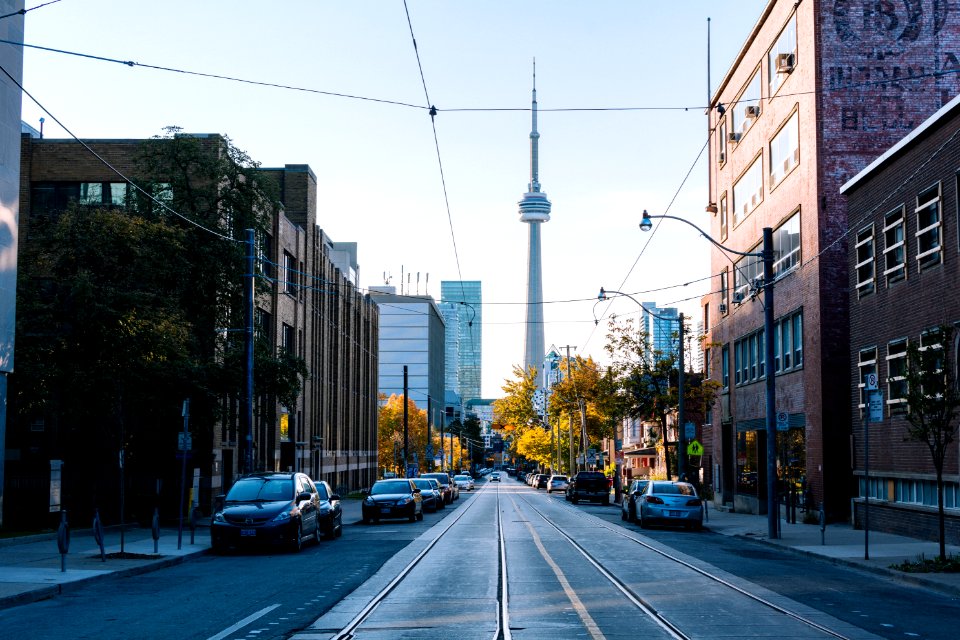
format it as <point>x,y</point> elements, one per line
<point>420,516</point>
<point>632,516</point>
<point>574,500</point>
<point>413,514</point>
<point>297,543</point>
<point>339,529</point>
<point>643,523</point>
<point>317,533</point>
<point>218,548</point>
<point>623,514</point>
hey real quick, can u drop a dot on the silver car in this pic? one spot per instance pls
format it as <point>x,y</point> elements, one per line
<point>557,483</point>
<point>464,483</point>
<point>670,503</point>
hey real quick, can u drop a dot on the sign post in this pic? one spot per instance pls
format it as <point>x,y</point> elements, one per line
<point>874,413</point>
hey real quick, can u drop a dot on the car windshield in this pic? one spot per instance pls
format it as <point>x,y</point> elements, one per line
<point>265,489</point>
<point>668,488</point>
<point>390,486</point>
<point>423,483</point>
<point>442,478</point>
<point>464,478</point>
<point>559,478</point>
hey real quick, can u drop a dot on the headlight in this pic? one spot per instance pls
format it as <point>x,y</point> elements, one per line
<point>283,516</point>
<point>324,509</point>
<point>404,501</point>
<point>218,517</point>
<point>368,501</point>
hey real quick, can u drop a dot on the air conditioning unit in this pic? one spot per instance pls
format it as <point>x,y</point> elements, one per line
<point>751,112</point>
<point>784,62</point>
<point>737,297</point>
<point>723,307</point>
<point>733,136</point>
<point>723,157</point>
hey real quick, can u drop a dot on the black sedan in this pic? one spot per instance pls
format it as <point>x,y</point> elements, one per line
<point>272,509</point>
<point>430,493</point>
<point>394,498</point>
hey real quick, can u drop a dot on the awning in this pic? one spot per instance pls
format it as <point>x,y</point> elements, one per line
<point>652,451</point>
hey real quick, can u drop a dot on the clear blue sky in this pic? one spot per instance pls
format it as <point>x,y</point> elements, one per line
<point>379,178</point>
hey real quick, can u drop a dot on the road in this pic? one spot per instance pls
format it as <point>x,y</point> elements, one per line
<point>564,571</point>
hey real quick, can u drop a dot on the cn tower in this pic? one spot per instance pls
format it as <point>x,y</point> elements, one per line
<point>534,211</point>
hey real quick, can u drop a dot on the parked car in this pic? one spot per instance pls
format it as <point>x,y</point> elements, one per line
<point>541,481</point>
<point>397,498</point>
<point>275,509</point>
<point>449,487</point>
<point>430,493</point>
<point>628,506</point>
<point>556,483</point>
<point>589,485</point>
<point>495,476</point>
<point>664,502</point>
<point>463,482</point>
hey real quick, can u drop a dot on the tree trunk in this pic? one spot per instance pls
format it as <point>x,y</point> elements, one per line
<point>940,514</point>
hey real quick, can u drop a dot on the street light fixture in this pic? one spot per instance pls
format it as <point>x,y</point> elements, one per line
<point>766,254</point>
<point>681,414</point>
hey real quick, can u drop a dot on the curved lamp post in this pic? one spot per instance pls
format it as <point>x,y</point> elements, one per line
<point>681,414</point>
<point>766,254</point>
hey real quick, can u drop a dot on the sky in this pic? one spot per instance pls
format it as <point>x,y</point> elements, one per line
<point>446,207</point>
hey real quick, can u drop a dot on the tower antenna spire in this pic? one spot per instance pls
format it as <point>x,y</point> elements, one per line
<point>534,139</point>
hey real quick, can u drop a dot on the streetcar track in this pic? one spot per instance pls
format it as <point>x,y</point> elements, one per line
<point>636,598</point>
<point>503,628</point>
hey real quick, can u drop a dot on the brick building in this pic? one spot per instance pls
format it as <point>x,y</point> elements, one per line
<point>904,265</point>
<point>817,91</point>
<point>307,303</point>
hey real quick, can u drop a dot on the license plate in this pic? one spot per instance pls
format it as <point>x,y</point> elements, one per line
<point>248,533</point>
<point>384,509</point>
<point>676,514</point>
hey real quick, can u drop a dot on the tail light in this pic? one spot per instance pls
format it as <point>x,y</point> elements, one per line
<point>693,503</point>
<point>653,500</point>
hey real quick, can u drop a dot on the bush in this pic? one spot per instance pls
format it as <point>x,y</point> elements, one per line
<point>925,565</point>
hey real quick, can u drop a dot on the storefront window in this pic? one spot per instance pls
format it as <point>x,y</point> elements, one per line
<point>747,472</point>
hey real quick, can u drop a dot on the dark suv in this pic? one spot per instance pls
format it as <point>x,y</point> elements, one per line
<point>275,508</point>
<point>589,485</point>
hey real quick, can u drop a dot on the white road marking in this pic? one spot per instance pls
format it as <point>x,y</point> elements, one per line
<point>240,625</point>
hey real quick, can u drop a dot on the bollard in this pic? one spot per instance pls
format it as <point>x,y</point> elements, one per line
<point>98,533</point>
<point>195,515</point>
<point>63,540</point>
<point>823,526</point>
<point>156,529</point>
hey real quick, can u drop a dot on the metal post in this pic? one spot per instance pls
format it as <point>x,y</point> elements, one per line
<point>773,516</point>
<point>246,395</point>
<point>681,413</point>
<point>866,481</point>
<point>183,468</point>
<point>406,431</point>
<point>570,417</point>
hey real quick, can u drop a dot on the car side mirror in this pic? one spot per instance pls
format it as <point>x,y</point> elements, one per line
<point>336,496</point>
<point>303,495</point>
<point>416,490</point>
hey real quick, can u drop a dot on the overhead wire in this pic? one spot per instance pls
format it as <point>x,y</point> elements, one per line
<point>23,12</point>
<point>119,173</point>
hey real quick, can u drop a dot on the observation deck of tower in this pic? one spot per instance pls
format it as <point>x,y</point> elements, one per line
<point>534,210</point>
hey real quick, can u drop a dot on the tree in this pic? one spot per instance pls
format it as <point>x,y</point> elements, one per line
<point>390,435</point>
<point>515,409</point>
<point>932,402</point>
<point>583,394</point>
<point>534,445</point>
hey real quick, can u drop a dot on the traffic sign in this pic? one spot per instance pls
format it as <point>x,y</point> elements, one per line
<point>875,406</point>
<point>695,448</point>
<point>870,382</point>
<point>690,430</point>
<point>783,421</point>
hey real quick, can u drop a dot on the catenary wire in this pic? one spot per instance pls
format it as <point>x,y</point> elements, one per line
<point>23,12</point>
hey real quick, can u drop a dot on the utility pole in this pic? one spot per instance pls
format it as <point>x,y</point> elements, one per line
<point>681,414</point>
<point>246,395</point>
<point>406,429</point>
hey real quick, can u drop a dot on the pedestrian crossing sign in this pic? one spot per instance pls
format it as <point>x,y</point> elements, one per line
<point>695,448</point>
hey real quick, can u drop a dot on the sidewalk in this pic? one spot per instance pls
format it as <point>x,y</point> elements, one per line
<point>842,544</point>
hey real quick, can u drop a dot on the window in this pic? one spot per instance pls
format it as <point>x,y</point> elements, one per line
<point>706,316</point>
<point>785,150</point>
<point>722,156</point>
<point>750,358</point>
<point>866,275</point>
<point>747,107</point>
<point>928,227</point>
<point>931,357</point>
<point>264,249</point>
<point>925,492</point>
<point>748,192</point>
<point>91,193</point>
<point>788,343</point>
<point>786,246</point>
<point>725,366</point>
<point>866,365</point>
<point>706,362</point>
<point>262,328</point>
<point>782,57</point>
<point>747,277</point>
<point>289,341</point>
<point>723,216</point>
<point>724,291</point>
<point>797,322</point>
<point>896,376</point>
<point>894,249</point>
<point>291,276</point>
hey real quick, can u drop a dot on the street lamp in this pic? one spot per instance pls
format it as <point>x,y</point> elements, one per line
<point>766,254</point>
<point>681,413</point>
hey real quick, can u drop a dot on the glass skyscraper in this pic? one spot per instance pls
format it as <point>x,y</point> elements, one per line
<point>660,330</point>
<point>466,294</point>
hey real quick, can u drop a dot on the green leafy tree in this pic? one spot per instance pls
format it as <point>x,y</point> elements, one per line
<point>515,410</point>
<point>581,393</point>
<point>535,445</point>
<point>932,402</point>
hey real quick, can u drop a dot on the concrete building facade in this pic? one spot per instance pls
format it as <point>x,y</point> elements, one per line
<point>817,91</point>
<point>903,258</point>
